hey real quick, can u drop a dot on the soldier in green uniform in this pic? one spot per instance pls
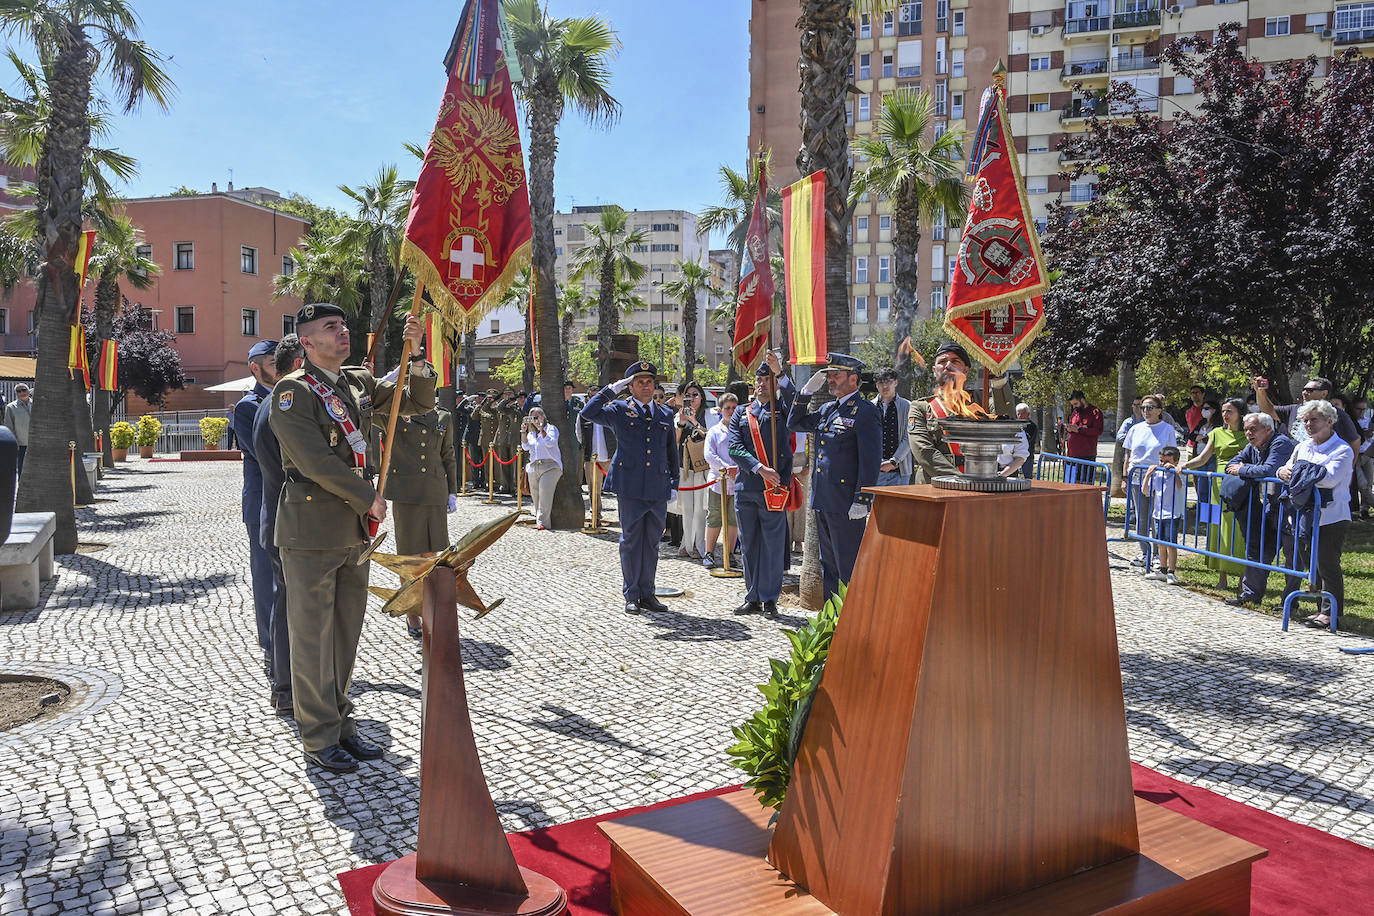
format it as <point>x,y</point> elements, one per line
<point>421,484</point>
<point>320,415</point>
<point>487,415</point>
<point>506,424</point>
<point>932,454</point>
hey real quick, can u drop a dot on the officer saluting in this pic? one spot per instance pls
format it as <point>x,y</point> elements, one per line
<point>849,449</point>
<point>320,414</point>
<point>762,448</point>
<point>643,475</point>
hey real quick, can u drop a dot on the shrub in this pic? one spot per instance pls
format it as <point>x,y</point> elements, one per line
<point>147,430</point>
<point>121,435</point>
<point>212,430</point>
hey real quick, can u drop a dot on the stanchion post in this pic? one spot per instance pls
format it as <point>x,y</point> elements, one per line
<point>466,459</point>
<point>71,463</point>
<point>519,462</point>
<point>491,476</point>
<point>726,571</point>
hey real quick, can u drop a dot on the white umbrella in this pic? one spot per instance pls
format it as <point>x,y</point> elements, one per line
<point>238,384</point>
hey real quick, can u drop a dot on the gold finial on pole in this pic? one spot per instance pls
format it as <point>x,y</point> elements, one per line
<point>999,75</point>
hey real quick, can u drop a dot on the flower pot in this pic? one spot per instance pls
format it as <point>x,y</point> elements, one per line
<point>145,451</point>
<point>120,454</point>
<point>212,446</point>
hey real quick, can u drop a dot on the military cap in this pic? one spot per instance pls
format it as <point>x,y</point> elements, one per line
<point>317,310</point>
<point>643,367</point>
<point>843,362</point>
<point>762,370</point>
<point>262,348</point>
<point>950,346</point>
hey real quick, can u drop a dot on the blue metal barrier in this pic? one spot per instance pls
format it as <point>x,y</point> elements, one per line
<point>1049,466</point>
<point>1158,513</point>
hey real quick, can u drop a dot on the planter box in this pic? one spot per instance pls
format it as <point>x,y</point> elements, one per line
<point>212,455</point>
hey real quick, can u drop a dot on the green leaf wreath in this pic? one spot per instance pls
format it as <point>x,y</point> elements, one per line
<point>768,741</point>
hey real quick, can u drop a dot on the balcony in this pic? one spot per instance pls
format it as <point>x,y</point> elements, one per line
<point>1080,109</point>
<point>1083,69</point>
<point>1353,36</point>
<point>1135,63</point>
<point>1085,26</point>
<point>21,343</point>
<point>1136,19</point>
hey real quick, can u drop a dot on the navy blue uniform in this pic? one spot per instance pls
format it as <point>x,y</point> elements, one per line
<point>259,561</point>
<point>849,448</point>
<point>762,534</point>
<point>644,472</point>
<point>268,453</point>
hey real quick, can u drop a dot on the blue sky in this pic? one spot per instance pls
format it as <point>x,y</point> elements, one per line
<point>303,96</point>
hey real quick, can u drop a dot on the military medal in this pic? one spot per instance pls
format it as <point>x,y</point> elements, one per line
<point>335,405</point>
<point>333,438</point>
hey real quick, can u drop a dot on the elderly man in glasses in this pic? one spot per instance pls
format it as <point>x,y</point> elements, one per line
<point>1285,415</point>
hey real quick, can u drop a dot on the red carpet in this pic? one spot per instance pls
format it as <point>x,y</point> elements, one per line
<point>1306,872</point>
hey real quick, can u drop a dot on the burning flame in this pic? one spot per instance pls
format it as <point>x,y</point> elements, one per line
<point>958,403</point>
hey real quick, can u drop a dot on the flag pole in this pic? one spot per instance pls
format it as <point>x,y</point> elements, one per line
<point>390,304</point>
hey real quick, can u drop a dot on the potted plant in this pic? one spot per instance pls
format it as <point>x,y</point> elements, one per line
<point>212,430</point>
<point>121,437</point>
<point>147,432</point>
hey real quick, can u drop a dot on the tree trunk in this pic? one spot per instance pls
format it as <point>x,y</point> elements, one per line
<point>527,375</point>
<point>377,294</point>
<point>607,320</point>
<point>689,338</point>
<point>827,50</point>
<point>106,301</point>
<point>565,341</point>
<point>545,111</point>
<point>1125,394</point>
<point>906,246</point>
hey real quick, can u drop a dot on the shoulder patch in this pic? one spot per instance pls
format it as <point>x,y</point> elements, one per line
<point>284,400</point>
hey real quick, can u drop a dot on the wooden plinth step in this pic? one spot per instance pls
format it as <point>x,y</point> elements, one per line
<point>399,893</point>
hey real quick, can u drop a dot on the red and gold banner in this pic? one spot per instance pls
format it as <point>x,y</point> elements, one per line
<point>803,257</point>
<point>1000,273</point>
<point>437,348</point>
<point>754,301</point>
<point>76,354</point>
<point>84,246</point>
<point>469,231</point>
<point>109,366</point>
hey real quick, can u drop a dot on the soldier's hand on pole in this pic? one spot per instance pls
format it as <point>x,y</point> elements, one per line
<point>378,510</point>
<point>774,362</point>
<point>414,332</point>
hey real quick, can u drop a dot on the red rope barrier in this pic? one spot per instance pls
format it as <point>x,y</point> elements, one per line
<point>497,458</point>
<point>476,464</point>
<point>690,489</point>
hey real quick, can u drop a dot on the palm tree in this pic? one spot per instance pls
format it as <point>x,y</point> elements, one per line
<point>572,304</point>
<point>695,281</point>
<point>732,217</point>
<point>76,40</point>
<point>608,255</point>
<point>564,62</point>
<point>376,232</point>
<point>116,257</point>
<point>924,180</point>
<point>325,272</point>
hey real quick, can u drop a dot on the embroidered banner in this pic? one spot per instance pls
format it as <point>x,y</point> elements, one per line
<point>754,300</point>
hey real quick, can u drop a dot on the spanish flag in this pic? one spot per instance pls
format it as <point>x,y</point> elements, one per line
<point>83,257</point>
<point>438,348</point>
<point>109,365</point>
<point>803,253</point>
<point>76,354</point>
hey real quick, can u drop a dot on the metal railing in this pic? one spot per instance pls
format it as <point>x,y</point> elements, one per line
<point>1135,19</point>
<point>1089,24</point>
<point>1159,513</point>
<point>1049,466</point>
<point>180,428</point>
<point>1131,62</point>
<point>1084,68</point>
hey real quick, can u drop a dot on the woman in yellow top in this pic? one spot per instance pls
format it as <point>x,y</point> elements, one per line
<point>1222,444</point>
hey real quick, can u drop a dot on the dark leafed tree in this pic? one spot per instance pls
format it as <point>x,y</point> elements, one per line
<point>80,41</point>
<point>149,365</point>
<point>564,62</point>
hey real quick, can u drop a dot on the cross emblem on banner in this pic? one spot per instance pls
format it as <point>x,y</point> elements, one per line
<point>467,257</point>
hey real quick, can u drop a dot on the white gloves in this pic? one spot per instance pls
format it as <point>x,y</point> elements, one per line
<point>452,503</point>
<point>672,495</point>
<point>814,384</point>
<point>858,511</point>
<point>393,375</point>
<point>620,386</point>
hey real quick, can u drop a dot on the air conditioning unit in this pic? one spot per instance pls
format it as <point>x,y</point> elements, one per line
<point>1327,34</point>
<point>1039,29</point>
<point>1175,10</point>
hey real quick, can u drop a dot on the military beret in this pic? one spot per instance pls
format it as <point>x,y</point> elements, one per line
<point>643,367</point>
<point>950,346</point>
<point>844,362</point>
<point>262,348</point>
<point>317,310</point>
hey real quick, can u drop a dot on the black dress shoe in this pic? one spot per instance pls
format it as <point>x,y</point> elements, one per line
<point>632,607</point>
<point>748,607</point>
<point>415,632</point>
<point>770,609</point>
<point>650,603</point>
<point>362,750</point>
<point>1241,602</point>
<point>333,758</point>
<point>283,705</point>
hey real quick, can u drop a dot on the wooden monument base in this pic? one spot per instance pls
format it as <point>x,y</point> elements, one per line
<point>708,857</point>
<point>399,892</point>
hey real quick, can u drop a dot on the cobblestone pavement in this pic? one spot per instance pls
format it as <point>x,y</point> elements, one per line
<point>172,788</point>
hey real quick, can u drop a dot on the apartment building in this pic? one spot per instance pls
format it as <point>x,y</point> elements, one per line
<point>1064,53</point>
<point>947,48</point>
<point>720,334</point>
<point>672,236</point>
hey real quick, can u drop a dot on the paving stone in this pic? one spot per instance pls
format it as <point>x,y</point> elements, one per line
<point>172,788</point>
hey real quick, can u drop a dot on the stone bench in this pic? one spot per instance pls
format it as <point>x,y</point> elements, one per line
<point>26,559</point>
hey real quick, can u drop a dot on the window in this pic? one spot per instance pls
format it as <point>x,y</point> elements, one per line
<point>957,18</point>
<point>861,309</point>
<point>1276,25</point>
<point>865,25</point>
<point>248,260</point>
<point>849,113</point>
<point>288,325</point>
<point>558,232</point>
<point>884,307</point>
<point>952,265</point>
<point>1038,143</point>
<point>861,270</point>
<point>1354,22</point>
<point>884,227</point>
<point>863,108</point>
<point>1316,22</point>
<point>861,228</point>
<point>937,263</point>
<point>942,15</point>
<point>909,19</point>
<point>720,349</point>
<point>1040,62</point>
<point>942,98</point>
<point>1037,184</point>
<point>186,256</point>
<point>4,321</point>
<point>888,23</point>
<point>1082,191</point>
<point>909,58</point>
<point>937,295</point>
<point>250,322</point>
<point>186,319</point>
<point>941,62</point>
<point>577,233</point>
<point>1039,101</point>
<point>288,265</point>
<point>956,63</point>
<point>865,66</point>
<point>665,247</point>
<point>940,128</point>
<point>887,65</point>
<point>1183,85</point>
<point>884,269</point>
<point>956,105</point>
<point>938,226</point>
<point>495,326</point>
<point>666,227</point>
<point>144,252</point>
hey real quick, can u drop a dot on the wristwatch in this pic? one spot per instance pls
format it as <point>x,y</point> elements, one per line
<point>417,358</point>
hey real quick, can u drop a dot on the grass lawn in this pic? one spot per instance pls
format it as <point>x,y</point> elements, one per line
<point>1357,560</point>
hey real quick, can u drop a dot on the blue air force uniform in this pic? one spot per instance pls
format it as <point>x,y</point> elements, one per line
<point>643,475</point>
<point>849,448</point>
<point>259,561</point>
<point>762,534</point>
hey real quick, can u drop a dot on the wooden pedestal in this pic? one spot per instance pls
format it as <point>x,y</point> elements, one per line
<point>968,741</point>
